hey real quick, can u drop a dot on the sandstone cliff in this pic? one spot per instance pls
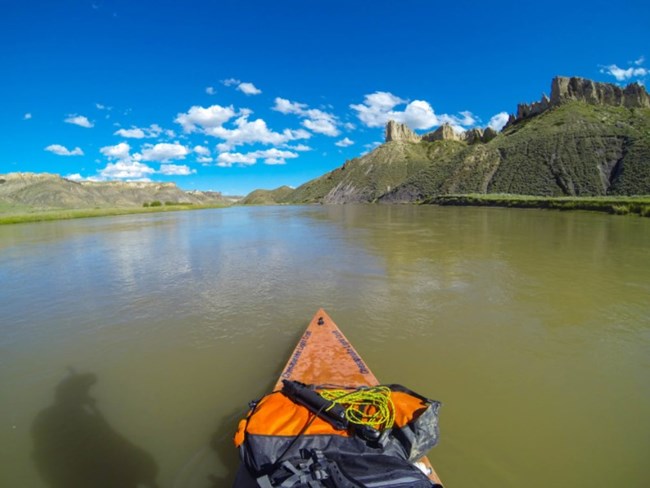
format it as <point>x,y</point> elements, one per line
<point>587,139</point>
<point>576,89</point>
<point>400,132</point>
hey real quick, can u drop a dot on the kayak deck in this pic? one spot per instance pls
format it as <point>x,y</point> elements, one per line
<point>324,356</point>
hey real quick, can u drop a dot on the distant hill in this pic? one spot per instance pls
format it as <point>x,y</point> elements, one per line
<point>267,197</point>
<point>587,139</point>
<point>48,191</point>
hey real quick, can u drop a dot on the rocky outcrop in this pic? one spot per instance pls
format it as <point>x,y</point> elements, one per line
<point>525,110</point>
<point>488,134</point>
<point>473,136</point>
<point>564,89</point>
<point>443,133</point>
<point>400,132</point>
<point>583,90</point>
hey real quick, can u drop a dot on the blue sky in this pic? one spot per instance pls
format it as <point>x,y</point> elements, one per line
<point>233,96</point>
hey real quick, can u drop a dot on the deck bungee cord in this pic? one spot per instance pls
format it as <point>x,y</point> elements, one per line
<point>368,406</point>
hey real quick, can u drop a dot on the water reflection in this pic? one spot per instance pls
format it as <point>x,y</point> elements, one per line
<point>76,447</point>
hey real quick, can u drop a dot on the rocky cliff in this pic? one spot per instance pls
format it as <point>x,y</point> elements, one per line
<point>587,139</point>
<point>400,132</point>
<point>45,191</point>
<point>575,89</point>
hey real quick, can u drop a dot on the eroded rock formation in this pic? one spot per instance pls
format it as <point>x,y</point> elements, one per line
<point>400,132</point>
<point>443,133</point>
<point>564,89</point>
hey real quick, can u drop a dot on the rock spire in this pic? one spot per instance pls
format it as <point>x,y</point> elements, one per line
<point>400,132</point>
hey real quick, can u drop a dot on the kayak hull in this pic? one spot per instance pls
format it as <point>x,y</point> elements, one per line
<point>324,356</point>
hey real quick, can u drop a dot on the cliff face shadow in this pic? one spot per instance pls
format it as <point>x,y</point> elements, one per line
<point>75,446</point>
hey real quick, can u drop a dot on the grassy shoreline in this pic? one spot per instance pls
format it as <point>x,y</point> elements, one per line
<point>639,205</point>
<point>20,217</point>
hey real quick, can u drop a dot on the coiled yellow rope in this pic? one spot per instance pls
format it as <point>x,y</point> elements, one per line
<point>366,406</point>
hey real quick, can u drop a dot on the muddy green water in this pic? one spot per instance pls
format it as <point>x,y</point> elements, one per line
<point>532,327</point>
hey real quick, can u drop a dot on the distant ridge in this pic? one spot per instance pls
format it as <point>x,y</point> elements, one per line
<point>587,139</point>
<point>49,191</point>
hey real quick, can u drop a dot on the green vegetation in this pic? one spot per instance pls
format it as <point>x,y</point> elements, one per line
<point>267,197</point>
<point>575,149</point>
<point>16,216</point>
<point>178,204</point>
<point>369,177</point>
<point>614,205</point>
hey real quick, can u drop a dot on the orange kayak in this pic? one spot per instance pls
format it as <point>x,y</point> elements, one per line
<point>325,356</point>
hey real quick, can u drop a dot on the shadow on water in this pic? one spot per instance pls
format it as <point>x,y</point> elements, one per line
<point>221,443</point>
<point>75,446</point>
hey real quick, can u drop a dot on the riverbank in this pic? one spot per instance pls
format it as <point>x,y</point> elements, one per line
<point>21,215</point>
<point>639,205</point>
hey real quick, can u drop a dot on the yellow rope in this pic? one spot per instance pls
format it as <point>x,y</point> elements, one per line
<point>366,406</point>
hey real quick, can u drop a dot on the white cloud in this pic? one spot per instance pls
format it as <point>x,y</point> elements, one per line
<point>205,117</point>
<point>78,177</point>
<point>126,169</point>
<point>498,121</point>
<point>379,107</point>
<point>120,152</point>
<point>163,152</point>
<point>275,156</point>
<point>299,147</point>
<point>176,169</point>
<point>376,108</point>
<point>201,150</point>
<point>27,116</point>
<point>322,125</point>
<point>314,119</point>
<point>349,126</point>
<point>211,120</point>
<point>459,124</point>
<point>133,133</point>
<point>101,106</point>
<point>344,142</point>
<point>418,115</point>
<point>154,130</point>
<point>226,160</point>
<point>64,151</point>
<point>204,160</point>
<point>285,106</point>
<point>230,82</point>
<point>270,156</point>
<point>79,120</point>
<point>126,166</point>
<point>210,90</point>
<point>249,89</point>
<point>622,74</point>
<point>256,131</point>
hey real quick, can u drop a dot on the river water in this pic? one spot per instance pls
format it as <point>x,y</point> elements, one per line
<point>532,327</point>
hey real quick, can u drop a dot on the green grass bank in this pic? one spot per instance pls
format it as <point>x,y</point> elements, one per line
<point>10,215</point>
<point>639,205</point>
